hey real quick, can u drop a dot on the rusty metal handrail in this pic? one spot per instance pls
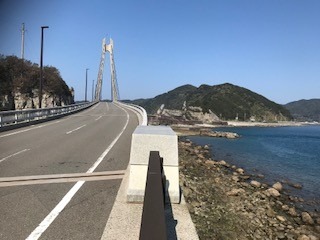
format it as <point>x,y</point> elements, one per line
<point>153,223</point>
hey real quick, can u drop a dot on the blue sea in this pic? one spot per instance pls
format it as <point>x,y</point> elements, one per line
<point>289,154</point>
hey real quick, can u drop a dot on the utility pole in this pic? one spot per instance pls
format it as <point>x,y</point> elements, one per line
<point>22,41</point>
<point>92,89</point>
<point>41,66</point>
<point>85,94</point>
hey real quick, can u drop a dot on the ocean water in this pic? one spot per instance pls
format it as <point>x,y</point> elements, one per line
<point>290,154</point>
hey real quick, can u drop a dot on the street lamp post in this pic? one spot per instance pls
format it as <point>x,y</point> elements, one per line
<point>41,66</point>
<point>85,94</point>
<point>92,90</point>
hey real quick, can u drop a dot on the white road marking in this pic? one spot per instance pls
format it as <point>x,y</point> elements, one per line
<point>76,129</point>
<point>29,129</point>
<point>95,106</point>
<point>42,227</point>
<point>107,106</point>
<point>84,112</point>
<point>98,118</point>
<point>12,155</point>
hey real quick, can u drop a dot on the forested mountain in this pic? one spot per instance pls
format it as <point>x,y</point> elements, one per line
<point>226,100</point>
<point>19,85</point>
<point>305,110</point>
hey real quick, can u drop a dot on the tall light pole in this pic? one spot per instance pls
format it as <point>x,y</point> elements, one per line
<point>92,90</point>
<point>41,60</point>
<point>85,94</point>
<point>22,41</point>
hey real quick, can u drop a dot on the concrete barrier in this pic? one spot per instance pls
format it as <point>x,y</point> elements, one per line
<point>144,140</point>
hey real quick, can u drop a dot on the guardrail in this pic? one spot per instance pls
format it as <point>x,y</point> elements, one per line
<point>153,223</point>
<point>140,110</point>
<point>8,118</point>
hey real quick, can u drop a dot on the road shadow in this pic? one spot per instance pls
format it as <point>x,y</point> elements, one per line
<point>171,223</point>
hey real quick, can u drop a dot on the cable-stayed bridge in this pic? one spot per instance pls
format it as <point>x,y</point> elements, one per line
<point>61,170</point>
<point>114,83</point>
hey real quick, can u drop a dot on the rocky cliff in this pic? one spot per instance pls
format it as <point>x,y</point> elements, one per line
<point>187,114</point>
<point>19,85</point>
<point>28,101</point>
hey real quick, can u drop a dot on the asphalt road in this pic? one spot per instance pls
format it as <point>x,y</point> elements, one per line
<point>73,144</point>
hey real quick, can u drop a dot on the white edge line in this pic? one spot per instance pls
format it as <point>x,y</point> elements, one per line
<point>12,155</point>
<point>76,129</point>
<point>26,130</point>
<point>67,198</point>
<point>94,107</point>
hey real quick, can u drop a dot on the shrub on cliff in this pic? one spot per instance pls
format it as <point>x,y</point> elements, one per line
<point>22,76</point>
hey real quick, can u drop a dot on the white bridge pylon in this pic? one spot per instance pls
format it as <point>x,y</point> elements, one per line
<point>114,84</point>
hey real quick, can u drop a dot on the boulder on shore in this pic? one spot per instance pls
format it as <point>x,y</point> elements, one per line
<point>273,192</point>
<point>277,186</point>
<point>306,218</point>
<point>255,183</point>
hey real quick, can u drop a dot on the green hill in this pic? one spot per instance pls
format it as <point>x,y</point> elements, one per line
<point>225,100</point>
<point>305,110</point>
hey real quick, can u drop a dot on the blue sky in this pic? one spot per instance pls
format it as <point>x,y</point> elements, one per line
<point>271,47</point>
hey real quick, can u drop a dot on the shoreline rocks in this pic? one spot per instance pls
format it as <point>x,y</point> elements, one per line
<point>225,203</point>
<point>229,135</point>
<point>201,131</point>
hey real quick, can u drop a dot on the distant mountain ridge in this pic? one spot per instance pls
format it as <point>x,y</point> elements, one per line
<point>226,100</point>
<point>305,110</point>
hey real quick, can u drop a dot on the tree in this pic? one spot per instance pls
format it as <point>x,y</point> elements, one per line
<point>22,76</point>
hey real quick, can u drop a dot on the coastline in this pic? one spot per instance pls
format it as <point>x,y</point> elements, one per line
<point>204,129</point>
<point>231,124</point>
<point>276,124</point>
<point>225,203</point>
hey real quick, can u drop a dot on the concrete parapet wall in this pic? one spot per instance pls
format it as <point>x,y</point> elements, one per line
<point>144,140</point>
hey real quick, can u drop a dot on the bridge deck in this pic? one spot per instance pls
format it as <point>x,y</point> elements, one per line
<point>79,143</point>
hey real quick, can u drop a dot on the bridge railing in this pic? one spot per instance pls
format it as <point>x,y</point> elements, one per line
<point>20,116</point>
<point>153,223</point>
<point>140,110</point>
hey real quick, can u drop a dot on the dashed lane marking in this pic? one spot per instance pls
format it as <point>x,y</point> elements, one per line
<point>29,129</point>
<point>12,155</point>
<point>76,129</point>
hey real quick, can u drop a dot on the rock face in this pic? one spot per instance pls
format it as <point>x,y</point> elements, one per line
<point>189,114</point>
<point>6,102</point>
<point>23,101</point>
<point>19,85</point>
<point>30,101</point>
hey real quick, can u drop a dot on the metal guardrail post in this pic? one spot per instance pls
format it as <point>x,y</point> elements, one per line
<point>153,224</point>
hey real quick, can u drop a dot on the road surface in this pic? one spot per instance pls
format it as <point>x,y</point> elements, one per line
<point>92,141</point>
